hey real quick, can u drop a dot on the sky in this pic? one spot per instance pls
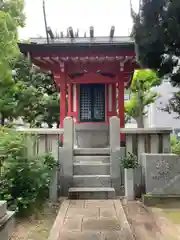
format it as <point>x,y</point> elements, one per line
<point>79,14</point>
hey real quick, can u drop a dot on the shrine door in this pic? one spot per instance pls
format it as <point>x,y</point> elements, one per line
<point>92,103</point>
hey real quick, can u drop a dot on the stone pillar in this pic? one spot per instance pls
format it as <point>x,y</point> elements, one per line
<point>138,172</point>
<point>66,156</point>
<point>116,153</point>
<point>129,184</point>
<point>154,142</point>
<point>166,144</point>
<point>54,187</point>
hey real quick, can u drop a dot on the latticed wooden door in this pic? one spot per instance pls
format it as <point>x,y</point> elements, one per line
<point>92,103</point>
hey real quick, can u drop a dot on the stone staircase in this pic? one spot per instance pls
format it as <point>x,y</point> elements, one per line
<point>91,174</point>
<point>6,221</point>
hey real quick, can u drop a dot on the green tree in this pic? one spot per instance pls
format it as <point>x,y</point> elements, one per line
<point>157,35</point>
<point>141,94</point>
<point>11,17</point>
<point>38,100</point>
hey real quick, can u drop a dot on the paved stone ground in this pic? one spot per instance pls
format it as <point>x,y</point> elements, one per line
<point>143,223</point>
<point>91,220</point>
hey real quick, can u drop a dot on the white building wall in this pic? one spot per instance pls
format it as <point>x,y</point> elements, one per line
<point>157,117</point>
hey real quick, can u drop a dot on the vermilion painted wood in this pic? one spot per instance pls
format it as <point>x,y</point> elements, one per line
<point>70,101</point>
<point>107,103</point>
<point>114,99</point>
<point>77,103</point>
<point>85,53</point>
<point>88,80</point>
<point>62,103</point>
<point>121,102</point>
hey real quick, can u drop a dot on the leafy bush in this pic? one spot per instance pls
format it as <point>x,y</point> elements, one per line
<point>175,145</point>
<point>173,140</point>
<point>24,179</point>
<point>129,161</point>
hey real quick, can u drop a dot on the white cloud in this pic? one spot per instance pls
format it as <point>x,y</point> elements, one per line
<point>61,14</point>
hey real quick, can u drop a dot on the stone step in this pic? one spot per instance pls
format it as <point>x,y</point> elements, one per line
<point>92,151</point>
<point>92,181</point>
<point>91,193</point>
<point>99,159</point>
<point>7,225</point>
<point>88,168</point>
<point>3,208</point>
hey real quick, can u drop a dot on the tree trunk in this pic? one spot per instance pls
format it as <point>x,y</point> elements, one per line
<point>50,125</point>
<point>140,118</point>
<point>140,121</point>
<point>2,120</point>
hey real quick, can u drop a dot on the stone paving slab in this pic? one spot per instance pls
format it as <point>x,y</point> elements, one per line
<point>91,219</point>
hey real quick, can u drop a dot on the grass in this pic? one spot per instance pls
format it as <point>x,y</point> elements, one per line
<point>36,227</point>
<point>173,216</point>
<point>171,210</point>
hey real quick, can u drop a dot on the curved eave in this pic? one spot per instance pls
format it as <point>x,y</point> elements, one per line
<point>76,48</point>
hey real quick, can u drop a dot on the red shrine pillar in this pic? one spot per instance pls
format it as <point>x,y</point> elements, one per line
<point>62,103</point>
<point>70,100</point>
<point>59,78</point>
<point>121,103</point>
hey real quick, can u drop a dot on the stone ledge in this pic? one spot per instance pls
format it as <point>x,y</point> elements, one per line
<point>6,226</point>
<point>5,219</point>
<point>153,199</point>
<point>58,224</point>
<point>3,209</point>
<point>146,130</point>
<point>42,131</point>
<point>123,219</point>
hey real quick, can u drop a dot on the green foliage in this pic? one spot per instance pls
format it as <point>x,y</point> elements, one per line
<point>176,148</point>
<point>15,9</point>
<point>173,140</point>
<point>144,79</point>
<point>141,94</point>
<point>129,161</point>
<point>175,145</point>
<point>24,179</point>
<point>26,91</point>
<point>11,17</point>
<point>157,35</point>
<point>38,98</point>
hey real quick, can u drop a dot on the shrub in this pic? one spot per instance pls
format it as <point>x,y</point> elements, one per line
<point>175,145</point>
<point>129,161</point>
<point>24,179</point>
<point>173,140</point>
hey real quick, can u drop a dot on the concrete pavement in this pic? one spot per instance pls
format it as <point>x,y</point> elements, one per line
<point>91,219</point>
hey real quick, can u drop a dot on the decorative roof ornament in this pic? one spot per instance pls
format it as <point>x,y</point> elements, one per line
<point>112,31</point>
<point>91,31</point>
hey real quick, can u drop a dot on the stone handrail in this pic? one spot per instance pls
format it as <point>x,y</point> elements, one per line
<point>50,131</point>
<point>147,140</point>
<point>47,140</point>
<point>145,130</point>
<point>137,141</point>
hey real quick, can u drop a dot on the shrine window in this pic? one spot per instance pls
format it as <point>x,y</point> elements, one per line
<point>92,102</point>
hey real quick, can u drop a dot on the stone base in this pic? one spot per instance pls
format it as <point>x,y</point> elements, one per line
<point>91,193</point>
<point>6,226</point>
<point>129,184</point>
<point>91,135</point>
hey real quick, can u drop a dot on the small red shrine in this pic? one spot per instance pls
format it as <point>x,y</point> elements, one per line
<point>92,71</point>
